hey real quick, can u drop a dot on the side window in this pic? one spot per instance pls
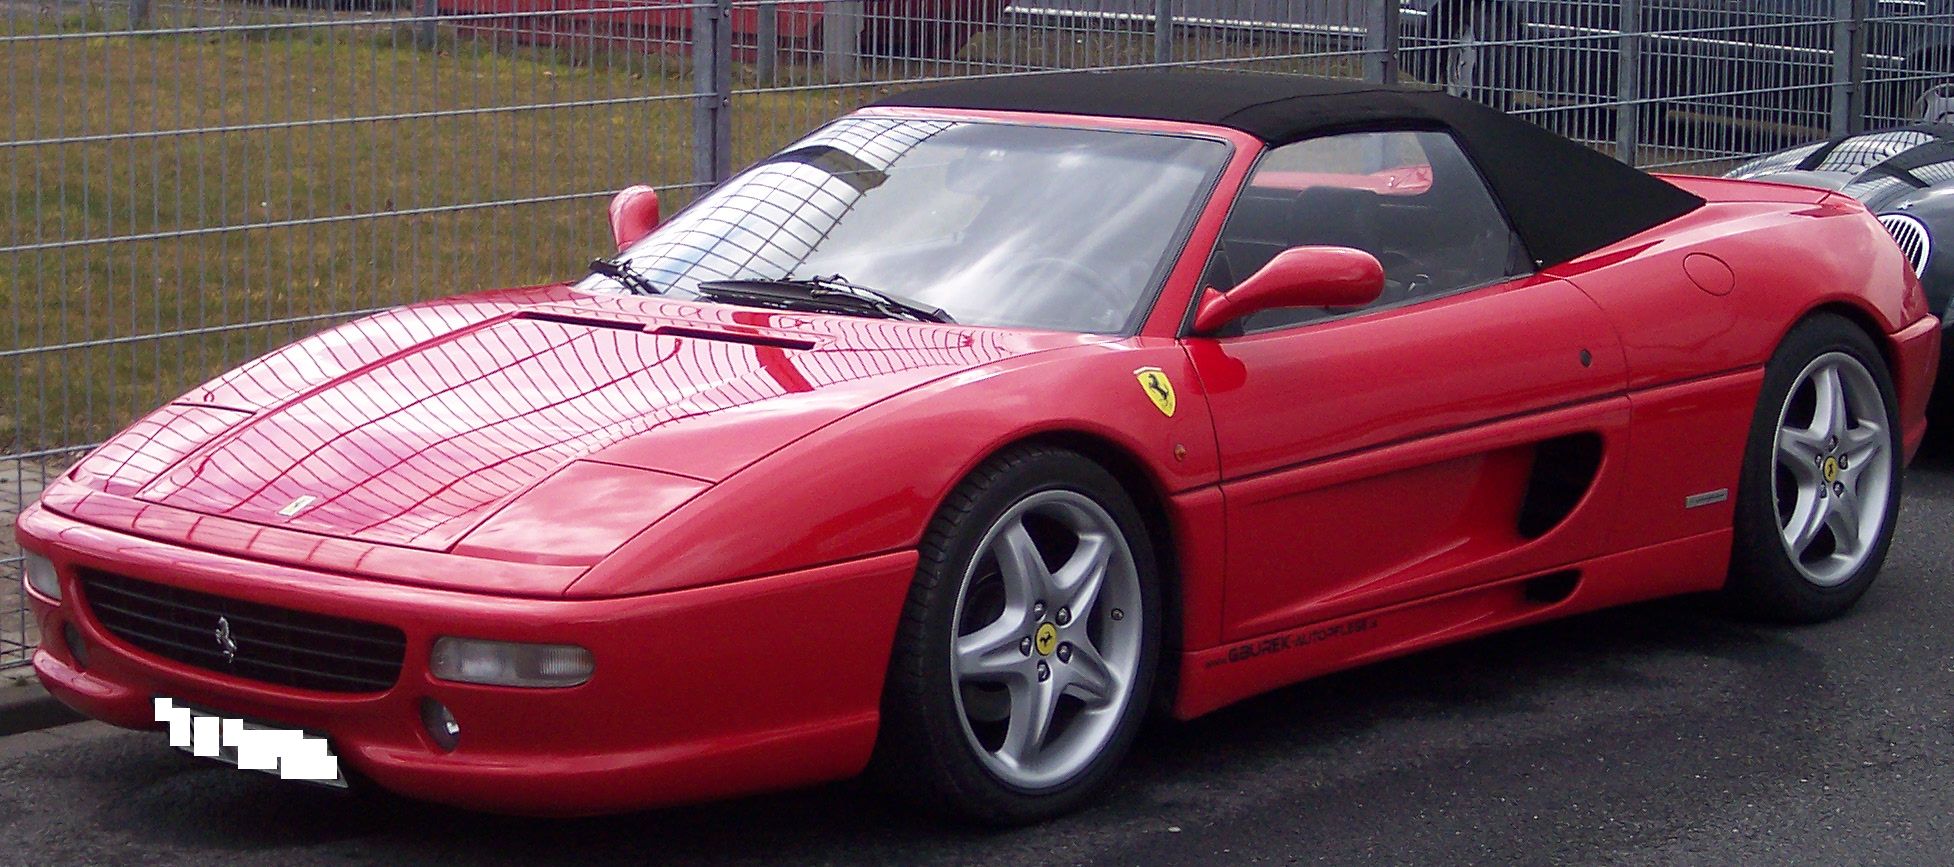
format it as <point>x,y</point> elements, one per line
<point>1410,198</point>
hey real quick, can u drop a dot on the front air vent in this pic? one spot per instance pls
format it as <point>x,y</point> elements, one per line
<point>1912,237</point>
<point>246,639</point>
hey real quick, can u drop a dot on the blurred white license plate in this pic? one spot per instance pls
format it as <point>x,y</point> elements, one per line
<point>291,754</point>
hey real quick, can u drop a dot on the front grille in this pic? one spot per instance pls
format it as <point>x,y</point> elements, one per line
<point>1912,237</point>
<point>274,645</point>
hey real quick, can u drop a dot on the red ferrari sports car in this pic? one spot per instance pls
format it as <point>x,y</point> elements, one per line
<point>950,440</point>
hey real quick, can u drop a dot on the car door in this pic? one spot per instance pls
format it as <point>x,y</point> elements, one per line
<point>1441,437</point>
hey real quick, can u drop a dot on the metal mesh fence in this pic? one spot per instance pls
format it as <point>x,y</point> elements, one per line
<point>190,184</point>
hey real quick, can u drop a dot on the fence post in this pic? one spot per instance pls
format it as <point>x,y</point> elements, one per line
<point>138,14</point>
<point>1628,83</point>
<point>841,33</point>
<point>425,10</point>
<point>1848,66</point>
<point>1163,31</point>
<point>1383,26</point>
<point>768,38</point>
<point>712,82</point>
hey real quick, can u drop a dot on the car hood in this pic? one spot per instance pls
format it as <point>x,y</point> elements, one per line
<point>411,427</point>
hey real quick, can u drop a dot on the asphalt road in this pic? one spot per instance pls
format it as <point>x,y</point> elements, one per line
<point>1660,734</point>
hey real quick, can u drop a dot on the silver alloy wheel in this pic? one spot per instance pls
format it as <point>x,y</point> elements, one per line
<point>1043,656</point>
<point>1462,62</point>
<point>1834,475</point>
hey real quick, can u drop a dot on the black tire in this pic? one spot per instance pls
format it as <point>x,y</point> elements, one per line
<point>924,754</point>
<point>1765,583</point>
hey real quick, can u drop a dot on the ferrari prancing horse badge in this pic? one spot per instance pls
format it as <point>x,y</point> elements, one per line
<point>1154,382</point>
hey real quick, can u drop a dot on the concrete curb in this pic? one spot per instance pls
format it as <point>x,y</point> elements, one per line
<point>27,707</point>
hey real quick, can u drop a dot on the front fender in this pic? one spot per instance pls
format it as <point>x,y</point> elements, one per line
<point>870,483</point>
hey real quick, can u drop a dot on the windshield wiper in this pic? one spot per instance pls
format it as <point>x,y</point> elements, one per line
<point>624,273</point>
<point>831,294</point>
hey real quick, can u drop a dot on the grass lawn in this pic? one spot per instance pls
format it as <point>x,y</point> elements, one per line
<point>375,213</point>
<point>266,214</point>
<point>433,193</point>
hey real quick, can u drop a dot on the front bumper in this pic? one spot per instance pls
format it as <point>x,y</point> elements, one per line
<point>753,685</point>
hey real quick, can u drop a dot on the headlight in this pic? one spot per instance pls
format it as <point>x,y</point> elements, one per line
<point>508,663</point>
<point>41,577</point>
<point>579,514</point>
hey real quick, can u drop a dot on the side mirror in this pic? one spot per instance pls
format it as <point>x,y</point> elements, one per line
<point>1296,277</point>
<point>634,213</point>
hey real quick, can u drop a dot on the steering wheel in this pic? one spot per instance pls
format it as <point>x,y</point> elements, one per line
<point>1077,276</point>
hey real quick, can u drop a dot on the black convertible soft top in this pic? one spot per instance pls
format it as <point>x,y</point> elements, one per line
<point>1564,199</point>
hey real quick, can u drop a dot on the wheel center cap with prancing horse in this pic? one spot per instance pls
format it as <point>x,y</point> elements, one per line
<point>1831,470</point>
<point>1045,640</point>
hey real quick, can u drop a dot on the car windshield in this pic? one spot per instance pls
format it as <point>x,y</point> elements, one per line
<point>993,223</point>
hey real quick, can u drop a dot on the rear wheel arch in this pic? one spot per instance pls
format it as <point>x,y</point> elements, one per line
<point>1941,408</point>
<point>1860,318</point>
<point>1772,576</point>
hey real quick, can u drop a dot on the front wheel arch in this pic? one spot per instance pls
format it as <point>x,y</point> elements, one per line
<point>914,755</point>
<point>1143,488</point>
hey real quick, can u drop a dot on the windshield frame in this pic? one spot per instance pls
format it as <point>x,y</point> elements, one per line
<point>1173,254</point>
